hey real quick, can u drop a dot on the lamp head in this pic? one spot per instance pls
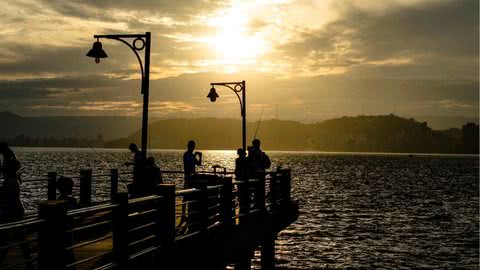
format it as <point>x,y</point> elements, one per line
<point>97,52</point>
<point>213,94</point>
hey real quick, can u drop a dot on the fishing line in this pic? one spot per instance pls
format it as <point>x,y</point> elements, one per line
<point>94,151</point>
<point>258,124</point>
<point>85,97</point>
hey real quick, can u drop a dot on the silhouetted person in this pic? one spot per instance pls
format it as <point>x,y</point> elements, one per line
<point>65,188</point>
<point>153,175</point>
<point>11,207</point>
<point>137,156</point>
<point>241,165</point>
<point>258,161</point>
<point>138,170</point>
<point>190,161</point>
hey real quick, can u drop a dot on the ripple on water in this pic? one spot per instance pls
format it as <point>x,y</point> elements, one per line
<point>357,211</point>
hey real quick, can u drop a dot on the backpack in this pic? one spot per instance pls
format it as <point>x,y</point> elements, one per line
<point>266,161</point>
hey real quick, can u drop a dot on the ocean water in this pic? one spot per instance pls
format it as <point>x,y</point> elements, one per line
<point>376,211</point>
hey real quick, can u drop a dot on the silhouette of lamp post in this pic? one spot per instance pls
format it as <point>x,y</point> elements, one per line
<point>236,87</point>
<point>137,43</point>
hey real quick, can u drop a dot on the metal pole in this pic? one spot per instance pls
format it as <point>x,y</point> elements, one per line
<point>244,117</point>
<point>145,91</point>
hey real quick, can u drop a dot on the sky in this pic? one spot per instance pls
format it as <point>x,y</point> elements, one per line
<point>301,60</point>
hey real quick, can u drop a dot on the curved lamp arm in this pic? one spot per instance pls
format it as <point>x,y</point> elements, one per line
<point>132,46</point>
<point>237,88</point>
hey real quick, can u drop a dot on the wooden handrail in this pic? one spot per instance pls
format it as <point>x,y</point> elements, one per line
<point>214,207</point>
<point>186,191</point>
<point>42,179</point>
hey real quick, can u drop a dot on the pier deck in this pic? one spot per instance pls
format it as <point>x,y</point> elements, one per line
<point>217,223</point>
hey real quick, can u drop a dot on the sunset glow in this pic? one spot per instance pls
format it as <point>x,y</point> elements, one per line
<point>233,44</point>
<point>312,60</point>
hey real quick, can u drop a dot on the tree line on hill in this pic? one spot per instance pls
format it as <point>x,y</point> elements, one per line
<point>383,133</point>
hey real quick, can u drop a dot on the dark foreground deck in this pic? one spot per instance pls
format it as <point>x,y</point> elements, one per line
<point>217,223</point>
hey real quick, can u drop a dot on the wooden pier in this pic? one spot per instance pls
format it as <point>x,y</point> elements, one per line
<point>218,223</point>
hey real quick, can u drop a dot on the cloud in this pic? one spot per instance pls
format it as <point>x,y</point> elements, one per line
<point>449,104</point>
<point>318,58</point>
<point>430,34</point>
<point>158,108</point>
<point>86,8</point>
<point>306,98</point>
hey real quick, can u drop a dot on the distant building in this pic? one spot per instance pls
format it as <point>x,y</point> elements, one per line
<point>470,138</point>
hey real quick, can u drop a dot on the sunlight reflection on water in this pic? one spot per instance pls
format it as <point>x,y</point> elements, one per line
<point>357,211</point>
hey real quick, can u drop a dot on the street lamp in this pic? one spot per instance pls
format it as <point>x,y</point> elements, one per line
<point>136,42</point>
<point>236,87</point>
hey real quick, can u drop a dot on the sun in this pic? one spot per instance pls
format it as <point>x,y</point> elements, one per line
<point>233,43</point>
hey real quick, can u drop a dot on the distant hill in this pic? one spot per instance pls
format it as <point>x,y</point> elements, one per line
<point>110,127</point>
<point>384,133</point>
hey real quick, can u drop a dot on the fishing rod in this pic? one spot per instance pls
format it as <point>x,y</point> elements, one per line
<point>95,152</point>
<point>258,124</point>
<point>99,157</point>
<point>86,99</point>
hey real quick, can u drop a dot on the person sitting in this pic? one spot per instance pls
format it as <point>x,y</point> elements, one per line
<point>153,175</point>
<point>65,187</point>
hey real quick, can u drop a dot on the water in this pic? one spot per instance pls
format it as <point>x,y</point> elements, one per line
<point>357,211</point>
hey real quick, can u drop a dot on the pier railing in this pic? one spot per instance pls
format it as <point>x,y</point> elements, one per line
<point>123,231</point>
<point>91,188</point>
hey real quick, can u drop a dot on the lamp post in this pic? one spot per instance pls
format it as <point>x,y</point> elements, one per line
<point>137,43</point>
<point>236,87</point>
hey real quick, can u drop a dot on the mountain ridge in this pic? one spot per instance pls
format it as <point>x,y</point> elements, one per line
<point>382,133</point>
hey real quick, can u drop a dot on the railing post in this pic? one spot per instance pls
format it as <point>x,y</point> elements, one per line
<point>203,209</point>
<point>113,182</point>
<point>274,190</point>
<point>260,194</point>
<point>267,255</point>
<point>51,235</point>
<point>52,186</point>
<point>227,204</point>
<point>85,187</point>
<point>244,201</point>
<point>166,225</point>
<point>285,185</point>
<point>289,185</point>
<point>120,230</point>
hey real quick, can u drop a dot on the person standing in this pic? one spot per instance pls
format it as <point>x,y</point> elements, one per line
<point>190,161</point>
<point>258,161</point>
<point>11,207</point>
<point>138,169</point>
